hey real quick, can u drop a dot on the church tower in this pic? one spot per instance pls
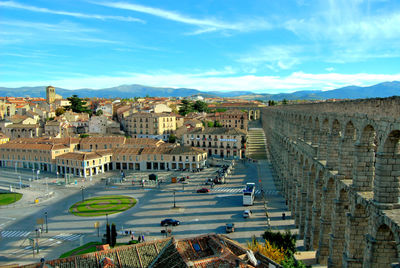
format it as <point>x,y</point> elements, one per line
<point>50,94</point>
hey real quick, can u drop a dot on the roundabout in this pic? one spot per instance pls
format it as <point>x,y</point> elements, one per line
<point>102,205</point>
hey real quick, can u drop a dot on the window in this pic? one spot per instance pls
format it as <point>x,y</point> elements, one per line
<point>194,158</point>
<point>173,158</point>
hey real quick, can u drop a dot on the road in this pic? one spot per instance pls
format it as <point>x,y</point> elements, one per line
<point>198,213</point>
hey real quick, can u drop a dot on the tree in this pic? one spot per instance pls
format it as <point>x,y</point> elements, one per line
<point>113,235</point>
<point>200,106</point>
<point>84,135</point>
<point>284,101</point>
<point>172,138</point>
<point>108,234</point>
<point>217,124</point>
<point>60,111</point>
<point>77,105</point>
<point>271,103</point>
<point>267,249</point>
<point>210,124</point>
<point>99,112</point>
<point>286,240</point>
<point>186,107</point>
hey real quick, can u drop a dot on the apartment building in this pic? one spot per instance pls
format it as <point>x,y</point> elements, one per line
<point>150,125</point>
<point>218,141</point>
<point>234,119</point>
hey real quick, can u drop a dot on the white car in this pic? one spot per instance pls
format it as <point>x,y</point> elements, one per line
<point>247,213</point>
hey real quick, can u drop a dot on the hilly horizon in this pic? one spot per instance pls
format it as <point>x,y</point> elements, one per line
<point>385,89</point>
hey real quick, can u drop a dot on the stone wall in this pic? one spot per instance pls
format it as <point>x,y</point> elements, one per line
<point>338,165</point>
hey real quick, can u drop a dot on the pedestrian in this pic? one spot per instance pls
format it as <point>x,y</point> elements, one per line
<point>139,238</point>
<point>283,216</point>
<point>130,232</point>
<point>142,238</point>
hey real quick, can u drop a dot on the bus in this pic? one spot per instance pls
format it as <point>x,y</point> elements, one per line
<point>248,194</point>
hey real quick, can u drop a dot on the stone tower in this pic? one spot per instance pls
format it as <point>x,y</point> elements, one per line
<point>50,94</point>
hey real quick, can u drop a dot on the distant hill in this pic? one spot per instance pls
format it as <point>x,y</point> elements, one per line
<point>385,89</point>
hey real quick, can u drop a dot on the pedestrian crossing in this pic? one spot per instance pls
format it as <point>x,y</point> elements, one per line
<point>67,237</point>
<point>240,190</point>
<point>14,233</point>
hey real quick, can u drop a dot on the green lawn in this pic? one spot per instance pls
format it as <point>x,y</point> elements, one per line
<point>86,248</point>
<point>102,205</point>
<point>9,198</point>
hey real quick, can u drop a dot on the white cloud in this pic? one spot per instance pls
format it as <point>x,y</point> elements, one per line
<point>273,57</point>
<point>207,81</point>
<point>206,25</point>
<point>12,4</point>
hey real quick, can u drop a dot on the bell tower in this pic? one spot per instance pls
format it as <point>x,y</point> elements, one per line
<point>50,94</point>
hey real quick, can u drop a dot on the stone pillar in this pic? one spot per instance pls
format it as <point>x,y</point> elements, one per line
<point>333,151</point>
<point>322,146</point>
<point>303,202</point>
<point>326,223</point>
<point>356,228</point>
<point>316,214</point>
<point>364,169</point>
<point>386,183</point>
<point>346,157</point>
<point>337,239</point>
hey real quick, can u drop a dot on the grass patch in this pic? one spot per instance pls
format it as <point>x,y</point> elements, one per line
<point>102,205</point>
<point>86,248</point>
<point>9,198</point>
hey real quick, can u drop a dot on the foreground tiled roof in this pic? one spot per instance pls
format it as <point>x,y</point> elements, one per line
<point>210,250</point>
<point>186,150</point>
<point>84,155</point>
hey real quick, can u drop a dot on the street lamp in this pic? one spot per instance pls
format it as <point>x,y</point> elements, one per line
<point>174,200</point>
<point>82,193</point>
<point>107,218</point>
<point>20,182</point>
<point>47,227</point>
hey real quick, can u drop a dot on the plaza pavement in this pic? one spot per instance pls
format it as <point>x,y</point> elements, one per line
<point>198,213</point>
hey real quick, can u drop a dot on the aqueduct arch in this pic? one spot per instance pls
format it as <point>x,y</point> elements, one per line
<point>338,165</point>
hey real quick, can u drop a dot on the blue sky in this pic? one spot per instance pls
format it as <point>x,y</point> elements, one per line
<point>260,45</point>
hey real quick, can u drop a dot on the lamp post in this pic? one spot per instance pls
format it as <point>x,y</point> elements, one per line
<point>33,174</point>
<point>82,193</point>
<point>174,200</point>
<point>107,218</point>
<point>20,182</point>
<point>47,226</point>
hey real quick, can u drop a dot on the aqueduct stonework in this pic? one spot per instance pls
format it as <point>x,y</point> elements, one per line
<point>338,165</point>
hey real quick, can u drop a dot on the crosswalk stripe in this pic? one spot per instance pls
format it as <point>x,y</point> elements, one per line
<point>12,233</point>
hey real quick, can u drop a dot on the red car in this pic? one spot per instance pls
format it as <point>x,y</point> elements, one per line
<point>203,190</point>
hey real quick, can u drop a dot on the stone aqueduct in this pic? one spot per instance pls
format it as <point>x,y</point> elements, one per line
<point>338,165</point>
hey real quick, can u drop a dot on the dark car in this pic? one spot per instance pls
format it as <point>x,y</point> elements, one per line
<point>172,222</point>
<point>203,190</point>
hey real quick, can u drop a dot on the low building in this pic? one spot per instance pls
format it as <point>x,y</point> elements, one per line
<point>3,138</point>
<point>84,164</point>
<point>15,131</point>
<point>218,141</point>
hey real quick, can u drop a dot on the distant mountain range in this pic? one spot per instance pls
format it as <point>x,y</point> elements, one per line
<point>385,89</point>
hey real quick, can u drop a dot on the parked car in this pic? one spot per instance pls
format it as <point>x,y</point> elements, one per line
<point>203,190</point>
<point>172,222</point>
<point>230,228</point>
<point>247,213</point>
<point>209,182</point>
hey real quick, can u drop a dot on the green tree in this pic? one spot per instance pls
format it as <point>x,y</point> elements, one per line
<point>84,135</point>
<point>77,105</point>
<point>99,112</point>
<point>186,107</point>
<point>291,262</point>
<point>286,240</point>
<point>60,111</point>
<point>210,124</point>
<point>221,110</point>
<point>284,101</point>
<point>217,124</point>
<point>200,106</point>
<point>113,235</point>
<point>108,234</point>
<point>271,103</point>
<point>172,138</point>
